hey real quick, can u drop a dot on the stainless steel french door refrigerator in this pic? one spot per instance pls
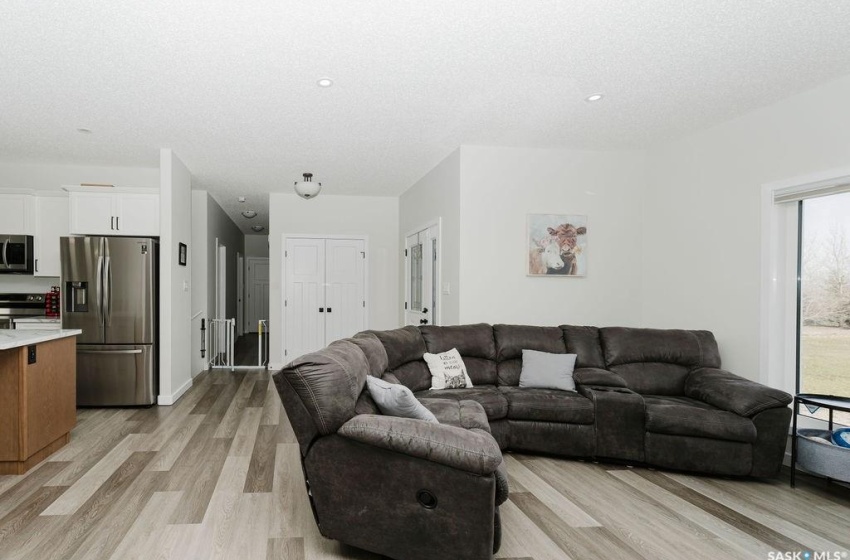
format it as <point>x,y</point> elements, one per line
<point>110,291</point>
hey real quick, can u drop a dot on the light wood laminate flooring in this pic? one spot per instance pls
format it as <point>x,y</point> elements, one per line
<point>218,476</point>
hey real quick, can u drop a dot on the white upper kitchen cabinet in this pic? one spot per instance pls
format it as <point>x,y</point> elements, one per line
<point>51,223</point>
<point>130,212</point>
<point>91,213</point>
<point>16,214</point>
<point>138,214</point>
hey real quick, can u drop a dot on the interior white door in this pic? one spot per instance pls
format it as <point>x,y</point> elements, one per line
<point>304,300</point>
<point>260,296</point>
<point>345,288</point>
<point>257,292</point>
<point>421,270</point>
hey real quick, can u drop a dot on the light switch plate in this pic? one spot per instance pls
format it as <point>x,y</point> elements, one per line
<point>447,288</point>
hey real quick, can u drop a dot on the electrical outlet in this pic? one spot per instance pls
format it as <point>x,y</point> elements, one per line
<point>31,354</point>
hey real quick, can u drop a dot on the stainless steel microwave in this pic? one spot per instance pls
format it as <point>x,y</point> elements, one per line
<point>16,254</point>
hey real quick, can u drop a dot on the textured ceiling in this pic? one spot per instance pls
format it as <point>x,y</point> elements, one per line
<point>231,86</point>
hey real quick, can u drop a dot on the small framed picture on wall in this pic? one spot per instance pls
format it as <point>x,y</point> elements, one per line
<point>557,245</point>
<point>181,254</point>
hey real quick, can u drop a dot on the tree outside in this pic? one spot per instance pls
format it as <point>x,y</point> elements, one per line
<point>825,298</point>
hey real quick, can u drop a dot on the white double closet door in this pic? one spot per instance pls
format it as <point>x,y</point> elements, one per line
<point>325,298</point>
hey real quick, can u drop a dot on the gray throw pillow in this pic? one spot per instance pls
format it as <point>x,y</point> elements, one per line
<point>397,400</point>
<point>543,370</point>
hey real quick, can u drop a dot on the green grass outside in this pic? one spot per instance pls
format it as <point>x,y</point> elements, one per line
<point>826,361</point>
<point>826,364</point>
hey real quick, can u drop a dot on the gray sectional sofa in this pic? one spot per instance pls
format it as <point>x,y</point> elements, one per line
<point>410,489</point>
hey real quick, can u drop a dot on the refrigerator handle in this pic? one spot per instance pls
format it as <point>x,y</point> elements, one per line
<point>5,245</point>
<point>107,293</point>
<point>100,289</point>
<point>136,351</point>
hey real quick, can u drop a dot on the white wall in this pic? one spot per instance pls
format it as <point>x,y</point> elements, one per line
<point>376,217</point>
<point>436,195</point>
<point>702,214</point>
<point>500,186</point>
<point>256,246</point>
<point>48,176</point>
<point>175,307</point>
<point>198,254</point>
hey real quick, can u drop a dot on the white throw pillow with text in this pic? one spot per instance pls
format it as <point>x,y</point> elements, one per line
<point>447,370</point>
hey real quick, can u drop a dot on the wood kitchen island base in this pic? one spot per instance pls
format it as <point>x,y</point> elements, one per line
<point>37,401</point>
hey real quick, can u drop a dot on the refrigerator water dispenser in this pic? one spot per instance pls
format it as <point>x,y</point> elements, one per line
<point>78,300</point>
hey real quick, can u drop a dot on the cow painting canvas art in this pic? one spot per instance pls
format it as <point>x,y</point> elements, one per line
<point>557,245</point>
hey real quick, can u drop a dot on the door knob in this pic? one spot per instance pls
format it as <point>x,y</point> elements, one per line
<point>423,321</point>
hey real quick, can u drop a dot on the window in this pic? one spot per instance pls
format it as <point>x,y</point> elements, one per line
<point>824,298</point>
<point>416,277</point>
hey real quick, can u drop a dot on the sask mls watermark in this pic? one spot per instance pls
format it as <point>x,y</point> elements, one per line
<point>808,555</point>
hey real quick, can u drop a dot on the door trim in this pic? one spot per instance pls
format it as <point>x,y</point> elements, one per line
<point>284,296</point>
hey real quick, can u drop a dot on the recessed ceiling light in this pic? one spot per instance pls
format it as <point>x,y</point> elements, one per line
<point>594,97</point>
<point>249,214</point>
<point>84,130</point>
<point>257,228</point>
<point>325,82</point>
<point>241,199</point>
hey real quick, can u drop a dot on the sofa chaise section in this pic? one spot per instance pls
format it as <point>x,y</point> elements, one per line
<point>376,481</point>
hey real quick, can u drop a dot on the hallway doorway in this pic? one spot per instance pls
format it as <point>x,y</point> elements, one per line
<point>246,350</point>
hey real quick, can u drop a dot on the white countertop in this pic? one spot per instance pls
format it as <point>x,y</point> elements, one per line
<point>37,319</point>
<point>15,339</point>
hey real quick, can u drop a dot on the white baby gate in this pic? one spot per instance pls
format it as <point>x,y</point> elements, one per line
<point>222,337</point>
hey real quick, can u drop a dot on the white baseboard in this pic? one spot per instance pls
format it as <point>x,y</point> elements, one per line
<point>168,400</point>
<point>275,367</point>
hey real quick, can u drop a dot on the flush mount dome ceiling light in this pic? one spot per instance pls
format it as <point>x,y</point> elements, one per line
<point>324,82</point>
<point>307,188</point>
<point>257,228</point>
<point>249,214</point>
<point>594,97</point>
